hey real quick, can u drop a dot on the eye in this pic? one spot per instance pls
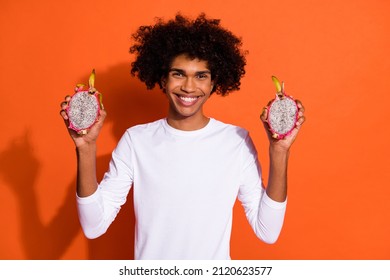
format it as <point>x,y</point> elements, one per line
<point>177,74</point>
<point>202,76</point>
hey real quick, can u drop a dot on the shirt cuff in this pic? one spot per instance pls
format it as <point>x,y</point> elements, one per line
<point>272,203</point>
<point>88,199</point>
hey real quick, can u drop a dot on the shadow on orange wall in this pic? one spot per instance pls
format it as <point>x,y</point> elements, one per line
<point>20,169</point>
<point>128,103</point>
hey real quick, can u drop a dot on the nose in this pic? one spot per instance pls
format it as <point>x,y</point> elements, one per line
<point>188,85</point>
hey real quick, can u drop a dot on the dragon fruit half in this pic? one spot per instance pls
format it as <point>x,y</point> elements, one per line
<point>282,112</point>
<point>84,106</point>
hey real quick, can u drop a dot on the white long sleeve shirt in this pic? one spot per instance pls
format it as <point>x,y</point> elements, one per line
<point>185,186</point>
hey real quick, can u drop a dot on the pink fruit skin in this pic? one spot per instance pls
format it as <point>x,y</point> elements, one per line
<point>71,126</point>
<point>282,136</point>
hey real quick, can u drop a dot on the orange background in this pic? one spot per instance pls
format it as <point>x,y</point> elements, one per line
<point>333,55</point>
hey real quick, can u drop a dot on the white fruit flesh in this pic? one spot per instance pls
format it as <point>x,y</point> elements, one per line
<point>282,115</point>
<point>83,110</point>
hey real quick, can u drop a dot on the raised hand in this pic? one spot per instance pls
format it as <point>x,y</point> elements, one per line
<point>287,141</point>
<point>92,133</point>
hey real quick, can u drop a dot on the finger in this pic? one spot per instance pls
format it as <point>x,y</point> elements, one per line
<point>101,118</point>
<point>103,114</point>
<point>296,129</point>
<point>293,134</point>
<point>64,115</point>
<point>300,121</point>
<point>300,105</point>
<point>264,114</point>
<point>64,105</point>
<point>95,129</point>
<point>301,113</point>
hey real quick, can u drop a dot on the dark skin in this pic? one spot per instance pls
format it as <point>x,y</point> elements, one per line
<point>187,86</point>
<point>279,151</point>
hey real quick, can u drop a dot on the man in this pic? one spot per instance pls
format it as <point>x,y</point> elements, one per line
<point>186,169</point>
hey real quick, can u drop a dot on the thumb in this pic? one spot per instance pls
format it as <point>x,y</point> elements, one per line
<point>101,118</point>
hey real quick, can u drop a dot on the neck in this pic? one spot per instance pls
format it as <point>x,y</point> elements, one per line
<point>189,123</point>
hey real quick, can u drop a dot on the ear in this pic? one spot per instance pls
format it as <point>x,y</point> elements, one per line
<point>163,83</point>
<point>213,83</point>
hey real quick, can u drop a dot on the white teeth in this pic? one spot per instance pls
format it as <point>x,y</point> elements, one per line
<point>188,99</point>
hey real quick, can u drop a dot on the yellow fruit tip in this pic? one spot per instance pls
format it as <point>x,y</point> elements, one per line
<point>277,84</point>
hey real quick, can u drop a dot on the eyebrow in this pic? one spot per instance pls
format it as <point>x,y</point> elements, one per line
<point>181,71</point>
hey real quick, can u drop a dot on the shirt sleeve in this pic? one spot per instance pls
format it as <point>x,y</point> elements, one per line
<point>265,215</point>
<point>97,211</point>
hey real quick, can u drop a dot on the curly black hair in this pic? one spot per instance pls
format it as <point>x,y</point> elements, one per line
<point>202,38</point>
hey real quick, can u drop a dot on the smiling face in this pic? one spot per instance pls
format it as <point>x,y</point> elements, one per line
<point>188,86</point>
